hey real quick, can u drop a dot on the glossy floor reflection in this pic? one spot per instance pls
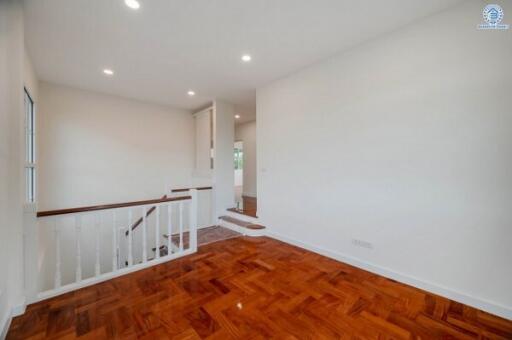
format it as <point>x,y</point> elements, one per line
<point>255,288</point>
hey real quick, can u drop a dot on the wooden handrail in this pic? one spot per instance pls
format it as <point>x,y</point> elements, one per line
<point>110,206</point>
<point>150,211</point>
<point>187,189</point>
<point>139,221</point>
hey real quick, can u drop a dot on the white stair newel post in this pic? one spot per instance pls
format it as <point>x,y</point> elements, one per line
<point>78,229</point>
<point>181,224</point>
<point>169,229</point>
<point>193,220</point>
<point>97,268</point>
<point>144,236</point>
<point>130,237</point>
<point>31,263</point>
<point>57,254</point>
<point>157,232</point>
<point>114,241</point>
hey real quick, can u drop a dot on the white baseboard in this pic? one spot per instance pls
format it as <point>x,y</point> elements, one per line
<point>488,306</point>
<point>19,309</point>
<point>4,326</point>
<point>6,322</point>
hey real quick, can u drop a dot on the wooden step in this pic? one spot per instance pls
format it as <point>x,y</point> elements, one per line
<point>243,224</point>
<point>243,212</point>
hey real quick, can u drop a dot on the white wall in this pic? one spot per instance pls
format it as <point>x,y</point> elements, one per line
<point>96,148</point>
<point>223,141</point>
<point>403,142</point>
<point>202,174</point>
<point>11,161</point>
<point>30,80</point>
<point>246,132</point>
<point>203,141</point>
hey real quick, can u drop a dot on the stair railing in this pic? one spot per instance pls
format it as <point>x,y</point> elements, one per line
<point>101,220</point>
<point>152,209</point>
<point>141,219</point>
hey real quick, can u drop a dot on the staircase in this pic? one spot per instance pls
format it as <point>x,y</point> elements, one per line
<point>178,241</point>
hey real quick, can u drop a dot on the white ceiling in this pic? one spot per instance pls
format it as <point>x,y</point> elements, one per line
<point>170,46</point>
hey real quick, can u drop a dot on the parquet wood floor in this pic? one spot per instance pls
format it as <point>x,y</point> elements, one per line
<point>254,288</point>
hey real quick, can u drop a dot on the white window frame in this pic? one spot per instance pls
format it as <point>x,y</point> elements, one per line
<point>30,148</point>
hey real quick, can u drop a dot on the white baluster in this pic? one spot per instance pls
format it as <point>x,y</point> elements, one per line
<point>169,229</point>
<point>97,268</point>
<point>192,231</point>
<point>78,229</point>
<point>157,231</point>
<point>144,236</point>
<point>114,241</point>
<point>57,254</point>
<point>130,237</point>
<point>181,225</point>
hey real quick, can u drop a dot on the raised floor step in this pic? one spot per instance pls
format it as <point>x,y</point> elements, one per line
<point>249,228</point>
<point>242,217</point>
<point>245,224</point>
<point>250,213</point>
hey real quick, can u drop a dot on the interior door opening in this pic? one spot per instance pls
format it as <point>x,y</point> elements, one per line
<point>239,173</point>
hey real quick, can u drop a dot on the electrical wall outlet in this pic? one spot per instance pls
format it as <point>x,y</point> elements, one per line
<point>362,244</point>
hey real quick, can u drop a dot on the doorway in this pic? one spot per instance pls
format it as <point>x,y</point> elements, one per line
<point>239,173</point>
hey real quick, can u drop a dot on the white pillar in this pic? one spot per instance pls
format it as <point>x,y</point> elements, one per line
<point>31,249</point>
<point>157,232</point>
<point>130,237</point>
<point>144,235</point>
<point>57,255</point>
<point>223,173</point>
<point>169,229</point>
<point>180,217</point>
<point>193,220</point>
<point>115,234</point>
<point>97,269</point>
<point>78,229</point>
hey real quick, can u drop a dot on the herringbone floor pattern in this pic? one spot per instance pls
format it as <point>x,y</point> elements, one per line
<point>260,288</point>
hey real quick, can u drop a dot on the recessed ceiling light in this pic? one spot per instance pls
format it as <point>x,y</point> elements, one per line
<point>133,4</point>
<point>108,72</point>
<point>237,116</point>
<point>246,58</point>
<point>191,93</point>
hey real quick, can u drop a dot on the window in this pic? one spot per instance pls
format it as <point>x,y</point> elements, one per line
<point>30,150</point>
<point>239,159</point>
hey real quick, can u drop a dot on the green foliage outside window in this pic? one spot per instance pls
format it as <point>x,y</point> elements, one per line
<point>239,159</point>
